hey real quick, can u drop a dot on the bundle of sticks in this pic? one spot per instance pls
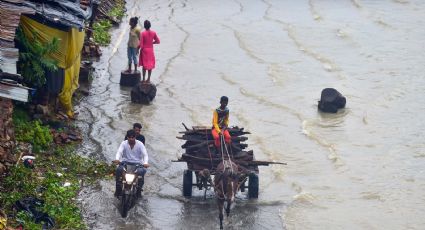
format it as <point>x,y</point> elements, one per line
<point>200,151</point>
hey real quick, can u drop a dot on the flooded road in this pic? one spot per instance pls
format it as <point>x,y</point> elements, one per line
<point>362,168</point>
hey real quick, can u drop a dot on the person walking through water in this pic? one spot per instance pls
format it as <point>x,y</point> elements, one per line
<point>147,57</point>
<point>133,43</point>
<point>221,122</point>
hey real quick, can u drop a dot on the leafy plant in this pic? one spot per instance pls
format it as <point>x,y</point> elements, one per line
<point>34,57</point>
<point>20,115</point>
<point>31,131</point>
<point>100,32</point>
<point>101,27</point>
<point>43,182</point>
<point>21,180</point>
<point>59,201</point>
<point>117,11</point>
<point>25,219</point>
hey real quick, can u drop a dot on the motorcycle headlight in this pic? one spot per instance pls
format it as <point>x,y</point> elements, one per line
<point>129,177</point>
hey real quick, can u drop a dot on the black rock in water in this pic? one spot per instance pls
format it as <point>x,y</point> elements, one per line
<point>331,100</point>
<point>143,93</point>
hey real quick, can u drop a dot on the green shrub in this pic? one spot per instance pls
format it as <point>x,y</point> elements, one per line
<point>25,219</point>
<point>34,57</point>
<point>59,201</point>
<point>101,27</point>
<point>100,32</point>
<point>20,115</point>
<point>32,132</point>
<point>22,182</point>
<point>44,183</point>
<point>117,11</point>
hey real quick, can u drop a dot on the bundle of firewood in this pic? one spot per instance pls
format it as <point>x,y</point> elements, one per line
<point>90,48</point>
<point>66,135</point>
<point>201,153</point>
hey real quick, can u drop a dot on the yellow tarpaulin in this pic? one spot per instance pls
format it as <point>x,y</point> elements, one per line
<point>68,55</point>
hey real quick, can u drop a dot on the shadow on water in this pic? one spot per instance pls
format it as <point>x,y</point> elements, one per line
<point>101,209</point>
<point>203,214</point>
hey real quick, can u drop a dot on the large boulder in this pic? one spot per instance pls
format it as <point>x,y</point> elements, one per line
<point>331,100</point>
<point>143,93</point>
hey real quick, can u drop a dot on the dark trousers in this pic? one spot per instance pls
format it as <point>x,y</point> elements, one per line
<point>141,171</point>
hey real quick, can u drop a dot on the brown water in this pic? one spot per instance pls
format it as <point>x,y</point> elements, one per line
<point>362,168</point>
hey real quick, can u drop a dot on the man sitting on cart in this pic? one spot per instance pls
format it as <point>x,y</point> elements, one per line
<point>221,122</point>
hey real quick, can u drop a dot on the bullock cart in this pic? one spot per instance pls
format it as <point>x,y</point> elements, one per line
<point>203,157</point>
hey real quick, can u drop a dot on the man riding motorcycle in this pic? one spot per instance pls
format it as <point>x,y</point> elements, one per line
<point>131,151</point>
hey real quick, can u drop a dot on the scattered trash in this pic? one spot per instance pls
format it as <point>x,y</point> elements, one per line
<point>59,174</point>
<point>66,184</point>
<point>40,189</point>
<point>30,206</point>
<point>28,161</point>
<point>28,157</point>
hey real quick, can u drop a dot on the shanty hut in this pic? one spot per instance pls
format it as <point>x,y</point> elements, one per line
<point>63,19</point>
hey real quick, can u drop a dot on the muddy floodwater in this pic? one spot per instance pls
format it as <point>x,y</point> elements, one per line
<point>362,168</point>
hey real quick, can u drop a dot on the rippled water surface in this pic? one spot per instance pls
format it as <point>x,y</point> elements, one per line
<point>362,168</point>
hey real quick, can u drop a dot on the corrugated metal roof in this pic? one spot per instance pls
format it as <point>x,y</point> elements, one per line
<point>64,12</point>
<point>69,13</point>
<point>8,59</point>
<point>14,92</point>
<point>10,14</point>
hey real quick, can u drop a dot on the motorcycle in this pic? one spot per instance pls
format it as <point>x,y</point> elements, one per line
<point>130,187</point>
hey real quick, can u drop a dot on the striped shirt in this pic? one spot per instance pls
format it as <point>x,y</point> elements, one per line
<point>220,118</point>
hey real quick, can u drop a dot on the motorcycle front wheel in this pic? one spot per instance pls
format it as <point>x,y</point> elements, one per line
<point>125,204</point>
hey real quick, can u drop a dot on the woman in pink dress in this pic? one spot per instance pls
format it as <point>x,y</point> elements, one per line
<point>147,56</point>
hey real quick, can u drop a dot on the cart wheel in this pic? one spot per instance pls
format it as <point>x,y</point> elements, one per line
<point>243,186</point>
<point>253,184</point>
<point>187,183</point>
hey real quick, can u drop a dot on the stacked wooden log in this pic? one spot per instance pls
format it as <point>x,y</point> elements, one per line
<point>66,136</point>
<point>201,153</point>
<point>10,13</point>
<point>91,50</point>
